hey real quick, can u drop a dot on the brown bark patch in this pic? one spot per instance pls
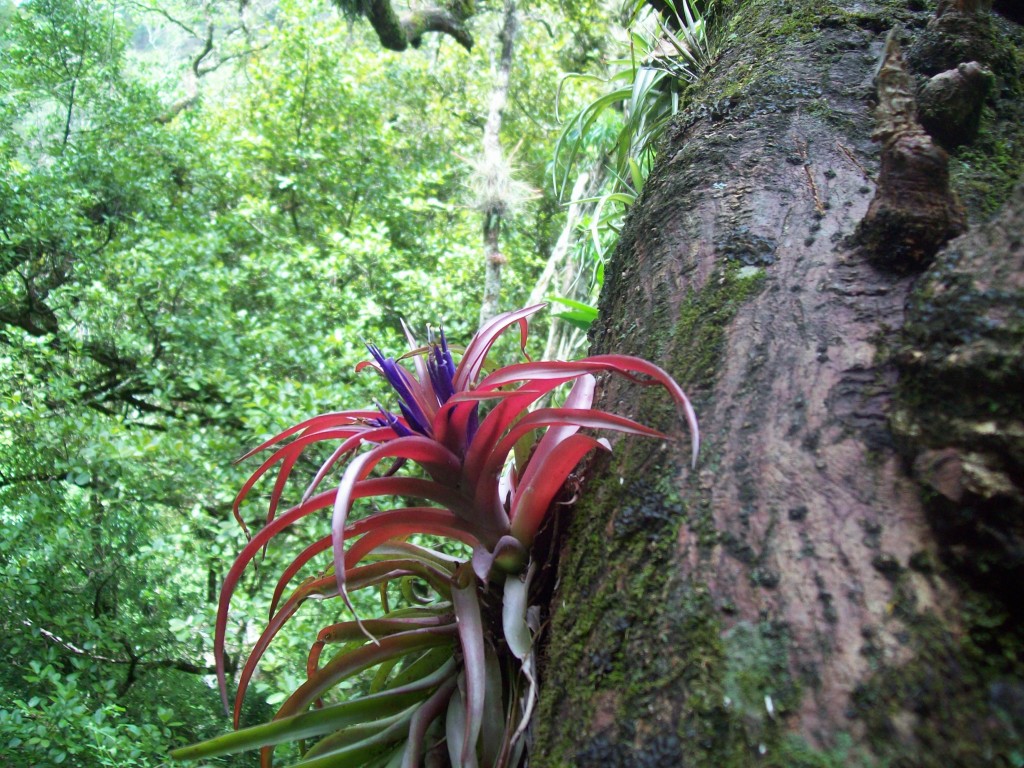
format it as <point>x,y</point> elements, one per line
<point>914,211</point>
<point>961,414</point>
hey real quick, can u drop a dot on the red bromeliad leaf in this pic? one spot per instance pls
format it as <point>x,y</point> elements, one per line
<point>581,396</point>
<point>351,630</point>
<point>340,452</point>
<point>455,724</point>
<point>288,454</point>
<point>317,423</point>
<point>451,425</point>
<point>239,566</point>
<point>498,421</point>
<point>623,365</point>
<point>435,457</point>
<point>381,534</point>
<point>475,354</point>
<point>538,487</point>
<point>431,709</point>
<point>347,664</point>
<point>492,730</point>
<point>399,522</point>
<point>564,417</point>
<point>384,486</point>
<point>359,578</point>
<point>295,566</point>
<point>487,480</point>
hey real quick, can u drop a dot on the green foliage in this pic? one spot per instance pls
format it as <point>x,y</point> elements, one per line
<point>175,279</point>
<point>624,124</point>
<point>66,726</point>
<point>644,90</point>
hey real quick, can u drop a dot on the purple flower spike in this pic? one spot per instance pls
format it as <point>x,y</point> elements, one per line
<point>390,420</point>
<point>396,377</point>
<point>441,368</point>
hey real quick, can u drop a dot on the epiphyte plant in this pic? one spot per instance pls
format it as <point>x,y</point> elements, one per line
<point>451,671</point>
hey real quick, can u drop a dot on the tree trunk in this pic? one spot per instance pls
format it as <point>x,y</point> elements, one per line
<point>496,179</point>
<point>831,585</point>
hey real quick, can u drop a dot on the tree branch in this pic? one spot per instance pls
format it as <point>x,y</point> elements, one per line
<point>182,665</point>
<point>33,477</point>
<point>397,32</point>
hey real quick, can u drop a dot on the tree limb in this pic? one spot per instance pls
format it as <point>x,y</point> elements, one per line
<point>397,32</point>
<point>137,660</point>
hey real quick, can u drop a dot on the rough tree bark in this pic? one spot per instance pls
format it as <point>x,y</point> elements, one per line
<point>835,583</point>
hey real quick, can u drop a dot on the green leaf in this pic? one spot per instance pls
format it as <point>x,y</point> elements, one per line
<point>513,617</point>
<point>305,725</point>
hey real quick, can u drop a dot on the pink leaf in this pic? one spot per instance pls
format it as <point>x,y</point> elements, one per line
<point>487,478</point>
<point>497,421</point>
<point>539,485</point>
<point>347,664</point>
<point>323,421</point>
<point>381,534</point>
<point>384,486</point>
<point>420,449</point>
<point>398,522</point>
<point>622,365</point>
<point>451,423</point>
<point>476,351</point>
<point>347,631</point>
<point>427,713</point>
<point>352,436</point>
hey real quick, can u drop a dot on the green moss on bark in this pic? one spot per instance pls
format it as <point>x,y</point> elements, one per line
<point>958,702</point>
<point>704,317</point>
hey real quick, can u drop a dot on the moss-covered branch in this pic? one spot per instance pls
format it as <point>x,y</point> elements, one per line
<point>397,32</point>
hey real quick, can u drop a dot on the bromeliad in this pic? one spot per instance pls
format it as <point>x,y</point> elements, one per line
<point>455,667</point>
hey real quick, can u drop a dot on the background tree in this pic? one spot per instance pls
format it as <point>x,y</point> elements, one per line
<point>829,587</point>
<point>498,191</point>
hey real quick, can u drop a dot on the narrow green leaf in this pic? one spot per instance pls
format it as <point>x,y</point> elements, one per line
<point>578,305</point>
<point>303,726</point>
<point>513,617</point>
<point>357,754</point>
<point>319,721</point>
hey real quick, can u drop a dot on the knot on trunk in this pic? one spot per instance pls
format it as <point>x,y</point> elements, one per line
<point>914,211</point>
<point>949,104</point>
